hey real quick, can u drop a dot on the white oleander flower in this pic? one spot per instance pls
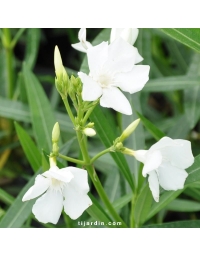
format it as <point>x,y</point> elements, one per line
<point>112,69</point>
<point>165,163</point>
<point>83,45</point>
<point>128,34</point>
<point>66,187</point>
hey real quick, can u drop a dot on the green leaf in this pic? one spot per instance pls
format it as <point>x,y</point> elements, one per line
<point>136,140</point>
<point>112,184</point>
<point>14,110</point>
<point>187,36</point>
<point>97,212</point>
<point>194,171</point>
<point>42,115</point>
<point>172,83</point>
<point>32,46</point>
<point>19,211</point>
<point>182,205</point>
<point>32,153</point>
<point>165,199</point>
<point>3,73</point>
<point>192,192</point>
<point>122,201</point>
<point>177,224</point>
<point>5,197</point>
<point>192,95</point>
<point>180,129</point>
<point>142,205</point>
<point>156,133</point>
<point>107,136</point>
<point>19,111</point>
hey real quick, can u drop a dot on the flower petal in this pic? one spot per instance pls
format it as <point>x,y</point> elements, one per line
<point>113,98</point>
<point>79,47</point>
<point>80,180</point>
<point>152,162</point>
<point>97,56</point>
<point>134,80</point>
<point>134,35</point>
<point>82,34</point>
<point>91,89</point>
<point>115,33</point>
<point>75,202</point>
<point>178,152</point>
<point>40,186</point>
<point>122,56</point>
<point>140,155</point>
<point>48,207</point>
<point>59,174</point>
<point>171,177</point>
<point>154,185</point>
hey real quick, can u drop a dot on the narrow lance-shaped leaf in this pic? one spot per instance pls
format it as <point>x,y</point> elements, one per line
<point>192,95</point>
<point>142,205</point>
<point>107,136</point>
<point>32,153</point>
<point>187,36</point>
<point>19,211</point>
<point>42,115</point>
<point>177,224</point>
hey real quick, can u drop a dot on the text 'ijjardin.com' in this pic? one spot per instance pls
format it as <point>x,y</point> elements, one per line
<point>98,223</point>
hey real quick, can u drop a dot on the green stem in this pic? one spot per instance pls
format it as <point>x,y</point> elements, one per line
<point>96,181</point>
<point>100,154</point>
<point>88,113</point>
<point>73,160</point>
<point>132,219</point>
<point>9,61</point>
<point>17,36</point>
<point>68,110</point>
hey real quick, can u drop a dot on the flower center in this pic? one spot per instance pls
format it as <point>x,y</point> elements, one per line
<point>105,80</point>
<point>57,184</point>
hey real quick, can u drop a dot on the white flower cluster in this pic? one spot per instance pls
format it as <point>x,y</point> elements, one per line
<point>112,69</point>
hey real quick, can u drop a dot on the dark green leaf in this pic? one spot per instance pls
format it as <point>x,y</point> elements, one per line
<point>171,83</point>
<point>42,115</point>
<point>32,153</point>
<point>177,224</point>
<point>157,134</point>
<point>142,205</point>
<point>107,136</point>
<point>187,36</point>
<point>182,205</point>
<point>19,211</point>
<point>32,46</point>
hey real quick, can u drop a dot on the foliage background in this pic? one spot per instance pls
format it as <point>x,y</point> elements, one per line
<point>170,101</point>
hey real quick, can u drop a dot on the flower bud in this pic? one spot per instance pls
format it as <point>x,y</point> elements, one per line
<point>119,146</point>
<point>56,133</point>
<point>55,149</point>
<point>131,128</point>
<point>58,62</point>
<point>128,151</point>
<point>90,125</point>
<point>89,132</point>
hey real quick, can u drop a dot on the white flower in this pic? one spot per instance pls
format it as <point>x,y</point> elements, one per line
<point>128,34</point>
<point>66,187</point>
<point>112,66</point>
<point>83,45</point>
<point>165,163</point>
